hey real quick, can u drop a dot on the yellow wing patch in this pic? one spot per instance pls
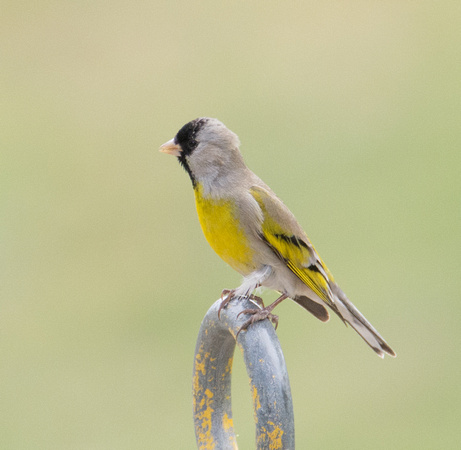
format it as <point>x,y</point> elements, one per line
<point>297,252</point>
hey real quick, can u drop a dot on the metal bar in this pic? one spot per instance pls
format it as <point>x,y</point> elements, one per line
<point>269,384</point>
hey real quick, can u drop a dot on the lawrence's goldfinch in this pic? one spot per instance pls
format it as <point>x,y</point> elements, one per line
<point>250,228</point>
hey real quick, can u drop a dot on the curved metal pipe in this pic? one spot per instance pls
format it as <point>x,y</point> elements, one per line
<point>269,384</point>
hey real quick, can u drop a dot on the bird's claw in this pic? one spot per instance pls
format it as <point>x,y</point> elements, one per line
<point>226,297</point>
<point>257,299</point>
<point>256,316</point>
<point>228,294</point>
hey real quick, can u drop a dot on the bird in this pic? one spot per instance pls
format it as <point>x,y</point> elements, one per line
<point>253,231</point>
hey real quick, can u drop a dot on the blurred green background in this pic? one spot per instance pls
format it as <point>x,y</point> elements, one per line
<point>350,111</point>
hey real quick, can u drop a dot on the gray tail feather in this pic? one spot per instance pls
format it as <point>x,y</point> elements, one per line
<point>350,314</point>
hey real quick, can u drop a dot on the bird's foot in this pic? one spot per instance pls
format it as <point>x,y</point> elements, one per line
<point>228,294</point>
<point>264,313</point>
<point>256,316</point>
<point>257,300</point>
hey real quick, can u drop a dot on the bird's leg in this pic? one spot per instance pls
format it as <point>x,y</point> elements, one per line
<point>257,299</point>
<point>264,313</point>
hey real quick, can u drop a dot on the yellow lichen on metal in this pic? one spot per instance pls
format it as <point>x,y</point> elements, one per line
<point>228,368</point>
<point>256,402</point>
<point>205,438</point>
<point>227,422</point>
<point>272,440</point>
<point>196,378</point>
<point>275,437</point>
<point>228,427</point>
<point>209,394</point>
<point>199,369</point>
<point>200,363</point>
<point>203,411</point>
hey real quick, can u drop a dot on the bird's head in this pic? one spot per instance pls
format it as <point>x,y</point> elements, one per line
<point>206,149</point>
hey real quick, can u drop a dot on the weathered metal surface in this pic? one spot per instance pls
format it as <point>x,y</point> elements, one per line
<point>269,384</point>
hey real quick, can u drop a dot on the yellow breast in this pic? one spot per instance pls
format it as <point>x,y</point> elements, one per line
<point>220,225</point>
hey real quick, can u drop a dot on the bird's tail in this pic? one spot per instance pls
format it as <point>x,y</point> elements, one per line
<point>350,314</point>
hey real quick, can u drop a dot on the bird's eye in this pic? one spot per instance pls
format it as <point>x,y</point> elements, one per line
<point>192,144</point>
